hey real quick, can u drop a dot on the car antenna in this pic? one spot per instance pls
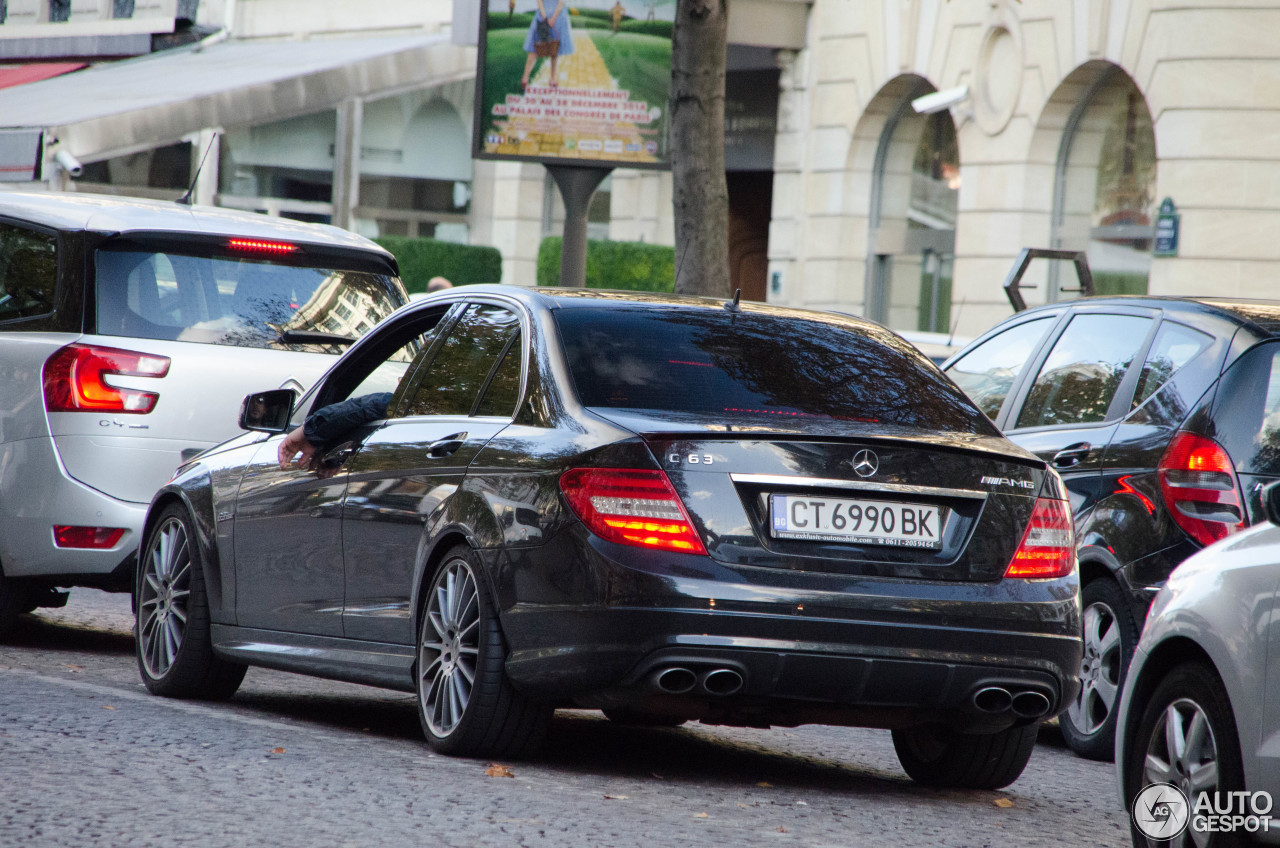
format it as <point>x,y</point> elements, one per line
<point>732,305</point>
<point>955,322</point>
<point>185,200</point>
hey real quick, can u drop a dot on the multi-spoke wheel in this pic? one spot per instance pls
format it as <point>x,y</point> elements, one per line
<point>1089,724</point>
<point>467,705</point>
<point>175,654</point>
<point>1187,738</point>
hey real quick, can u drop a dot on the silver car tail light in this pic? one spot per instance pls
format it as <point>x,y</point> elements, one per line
<point>76,379</point>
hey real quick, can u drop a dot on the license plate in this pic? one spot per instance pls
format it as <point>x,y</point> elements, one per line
<point>860,522</point>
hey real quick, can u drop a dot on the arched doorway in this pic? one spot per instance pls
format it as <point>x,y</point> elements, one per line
<point>914,200</point>
<point>1105,181</point>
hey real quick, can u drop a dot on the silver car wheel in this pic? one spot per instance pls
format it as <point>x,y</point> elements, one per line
<point>1182,751</point>
<point>164,596</point>
<point>450,647</point>
<point>1099,670</point>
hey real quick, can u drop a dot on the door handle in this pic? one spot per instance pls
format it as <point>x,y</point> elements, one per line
<point>339,455</point>
<point>447,445</point>
<point>1071,455</point>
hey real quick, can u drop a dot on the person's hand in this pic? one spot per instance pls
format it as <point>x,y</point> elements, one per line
<point>552,20</point>
<point>296,444</point>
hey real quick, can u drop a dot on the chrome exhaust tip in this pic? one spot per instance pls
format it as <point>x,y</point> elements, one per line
<point>675,680</point>
<point>1030,704</point>
<point>993,699</point>
<point>722,681</point>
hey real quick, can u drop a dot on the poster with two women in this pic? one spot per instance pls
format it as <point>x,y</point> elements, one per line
<point>584,81</point>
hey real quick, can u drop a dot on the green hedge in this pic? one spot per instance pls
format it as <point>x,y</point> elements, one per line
<point>628,265</point>
<point>423,258</point>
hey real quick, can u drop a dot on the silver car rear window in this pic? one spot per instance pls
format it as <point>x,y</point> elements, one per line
<point>233,301</point>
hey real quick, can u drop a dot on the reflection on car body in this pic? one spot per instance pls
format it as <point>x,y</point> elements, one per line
<point>572,502</point>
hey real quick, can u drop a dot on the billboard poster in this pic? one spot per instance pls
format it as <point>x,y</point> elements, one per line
<point>576,83</point>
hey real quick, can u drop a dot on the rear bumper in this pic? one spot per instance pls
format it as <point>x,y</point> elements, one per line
<point>36,494</point>
<point>808,647</point>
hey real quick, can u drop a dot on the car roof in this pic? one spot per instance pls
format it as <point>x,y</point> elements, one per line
<point>112,215</point>
<point>1263,315</point>
<point>549,297</point>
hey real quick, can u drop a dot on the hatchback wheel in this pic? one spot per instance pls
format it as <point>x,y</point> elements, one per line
<point>1110,634</point>
<point>1187,737</point>
<point>173,644</point>
<point>934,755</point>
<point>467,705</point>
<point>13,602</point>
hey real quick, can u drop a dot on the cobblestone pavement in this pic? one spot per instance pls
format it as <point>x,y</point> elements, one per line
<point>89,758</point>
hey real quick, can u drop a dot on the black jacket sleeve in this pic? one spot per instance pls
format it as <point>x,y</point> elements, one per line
<point>327,424</point>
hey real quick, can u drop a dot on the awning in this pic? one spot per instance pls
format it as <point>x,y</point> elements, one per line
<point>11,75</point>
<point>135,104</point>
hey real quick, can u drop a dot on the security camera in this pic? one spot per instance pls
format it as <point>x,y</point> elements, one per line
<point>69,163</point>
<point>940,100</point>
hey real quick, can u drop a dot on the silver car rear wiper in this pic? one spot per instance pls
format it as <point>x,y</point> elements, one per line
<point>313,337</point>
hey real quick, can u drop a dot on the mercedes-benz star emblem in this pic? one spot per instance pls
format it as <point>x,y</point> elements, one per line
<point>865,463</point>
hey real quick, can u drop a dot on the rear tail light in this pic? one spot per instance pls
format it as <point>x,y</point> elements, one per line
<point>1048,546</point>
<point>1199,486</point>
<point>631,507</point>
<point>97,538</point>
<point>75,379</point>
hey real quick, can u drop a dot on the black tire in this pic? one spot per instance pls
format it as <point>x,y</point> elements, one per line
<point>1110,636</point>
<point>173,643</point>
<point>1186,689</point>
<point>636,718</point>
<point>467,706</point>
<point>934,755</point>
<point>13,603</point>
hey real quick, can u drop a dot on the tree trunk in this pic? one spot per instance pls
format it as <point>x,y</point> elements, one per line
<point>701,197</point>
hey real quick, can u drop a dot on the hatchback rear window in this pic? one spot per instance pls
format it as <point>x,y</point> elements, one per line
<point>227,300</point>
<point>750,365</point>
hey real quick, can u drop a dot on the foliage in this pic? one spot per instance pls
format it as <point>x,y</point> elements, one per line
<point>423,258</point>
<point>1119,283</point>
<point>627,265</point>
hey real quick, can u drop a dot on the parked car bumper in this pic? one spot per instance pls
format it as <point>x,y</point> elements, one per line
<point>885,652</point>
<point>33,501</point>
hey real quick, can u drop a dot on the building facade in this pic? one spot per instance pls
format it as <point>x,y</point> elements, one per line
<point>1138,131</point>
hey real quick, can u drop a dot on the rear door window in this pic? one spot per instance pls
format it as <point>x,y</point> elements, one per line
<point>752,365</point>
<point>1247,411</point>
<point>1081,375</point>
<point>987,372</point>
<point>1175,345</point>
<point>239,301</point>
<point>460,369</point>
<point>28,273</point>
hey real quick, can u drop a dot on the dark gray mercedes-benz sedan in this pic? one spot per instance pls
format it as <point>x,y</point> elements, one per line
<point>667,508</point>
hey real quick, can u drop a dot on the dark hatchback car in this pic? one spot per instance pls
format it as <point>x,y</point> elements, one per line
<point>666,508</point>
<point>1161,416</point>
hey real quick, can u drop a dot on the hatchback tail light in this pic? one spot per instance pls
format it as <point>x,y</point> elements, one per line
<point>1198,482</point>
<point>1048,546</point>
<point>75,379</point>
<point>631,507</point>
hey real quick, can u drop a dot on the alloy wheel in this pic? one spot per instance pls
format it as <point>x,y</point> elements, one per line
<point>1183,751</point>
<point>450,647</point>
<point>163,600</point>
<point>1099,670</point>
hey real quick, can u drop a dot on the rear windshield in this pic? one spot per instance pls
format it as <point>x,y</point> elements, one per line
<point>235,301</point>
<point>757,366</point>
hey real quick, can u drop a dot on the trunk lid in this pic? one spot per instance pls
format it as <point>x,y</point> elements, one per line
<point>846,498</point>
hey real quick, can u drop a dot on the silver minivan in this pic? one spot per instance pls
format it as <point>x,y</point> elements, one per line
<point>130,332</point>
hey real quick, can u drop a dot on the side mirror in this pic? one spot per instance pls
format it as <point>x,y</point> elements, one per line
<point>268,412</point>
<point>1271,503</point>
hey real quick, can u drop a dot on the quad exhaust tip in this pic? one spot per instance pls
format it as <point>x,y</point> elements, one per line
<point>678,680</point>
<point>1028,703</point>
